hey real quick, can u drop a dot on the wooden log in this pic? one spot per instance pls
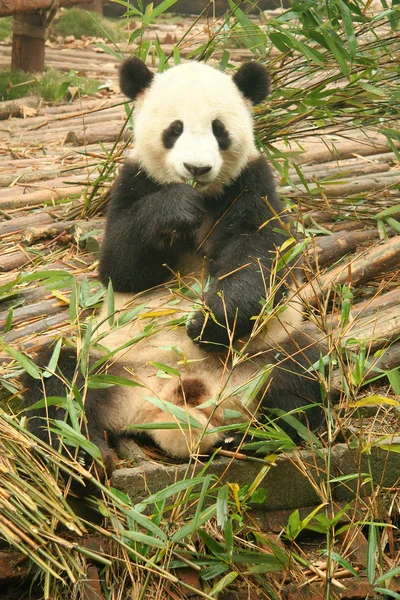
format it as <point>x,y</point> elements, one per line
<point>94,6</point>
<point>13,260</point>
<point>389,359</point>
<point>359,310</point>
<point>377,330</point>
<point>339,149</point>
<point>31,235</point>
<point>34,344</point>
<point>74,229</point>
<point>36,175</point>
<point>19,108</point>
<point>33,311</point>
<point>92,136</point>
<point>347,226</point>
<point>356,185</point>
<point>15,225</point>
<point>319,216</point>
<point>378,303</point>
<point>43,324</point>
<point>29,34</point>
<point>376,163</point>
<point>379,259</point>
<point>29,295</point>
<point>324,250</point>
<point>13,7</point>
<point>39,197</point>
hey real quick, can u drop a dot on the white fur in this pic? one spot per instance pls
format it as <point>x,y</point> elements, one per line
<point>222,376</point>
<point>195,94</point>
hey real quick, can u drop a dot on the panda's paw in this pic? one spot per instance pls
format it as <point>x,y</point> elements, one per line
<point>232,441</point>
<point>207,333</point>
<point>184,210</point>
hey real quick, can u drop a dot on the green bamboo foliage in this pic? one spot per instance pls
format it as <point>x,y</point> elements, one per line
<point>333,64</point>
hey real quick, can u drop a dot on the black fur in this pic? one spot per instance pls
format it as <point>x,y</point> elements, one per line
<point>134,77</point>
<point>221,134</point>
<point>292,385</point>
<point>150,226</point>
<point>96,407</point>
<point>238,240</point>
<point>252,79</point>
<point>171,134</point>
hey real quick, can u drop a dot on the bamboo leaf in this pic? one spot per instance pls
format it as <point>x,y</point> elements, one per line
<point>371,553</point>
<point>394,379</point>
<point>223,583</point>
<point>172,409</point>
<point>375,400</point>
<point>143,539</point>
<point>222,506</point>
<point>21,359</point>
<point>388,575</point>
<point>106,381</point>
<point>343,563</point>
<point>165,369</point>
<point>171,490</point>
<point>348,27</point>
<point>51,367</point>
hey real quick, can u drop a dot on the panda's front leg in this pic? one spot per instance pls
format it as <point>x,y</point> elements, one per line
<point>229,305</point>
<point>144,236</point>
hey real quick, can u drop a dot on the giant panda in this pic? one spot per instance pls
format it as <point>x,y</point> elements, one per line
<point>205,314</point>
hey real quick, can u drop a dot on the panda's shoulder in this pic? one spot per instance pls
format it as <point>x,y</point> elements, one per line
<point>258,173</point>
<point>258,180</point>
<point>132,184</point>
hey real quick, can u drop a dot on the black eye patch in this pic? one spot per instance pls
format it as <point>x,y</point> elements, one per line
<point>221,134</point>
<point>171,134</point>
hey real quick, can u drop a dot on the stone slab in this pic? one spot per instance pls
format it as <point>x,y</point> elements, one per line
<point>293,483</point>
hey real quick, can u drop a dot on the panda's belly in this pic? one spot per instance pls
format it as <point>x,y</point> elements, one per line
<point>170,367</point>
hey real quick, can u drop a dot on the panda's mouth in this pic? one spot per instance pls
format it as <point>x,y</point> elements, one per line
<point>196,183</point>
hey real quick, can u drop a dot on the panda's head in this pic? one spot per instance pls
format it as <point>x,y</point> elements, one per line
<point>193,122</point>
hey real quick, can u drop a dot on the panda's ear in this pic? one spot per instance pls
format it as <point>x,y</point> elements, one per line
<point>134,77</point>
<point>253,81</point>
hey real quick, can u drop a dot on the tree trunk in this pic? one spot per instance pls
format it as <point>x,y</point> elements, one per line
<point>29,34</point>
<point>95,6</point>
<point>13,7</point>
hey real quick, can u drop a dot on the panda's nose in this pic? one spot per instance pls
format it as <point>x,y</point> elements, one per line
<point>196,171</point>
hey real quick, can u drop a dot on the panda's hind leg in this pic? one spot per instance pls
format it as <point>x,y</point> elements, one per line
<point>294,385</point>
<point>34,390</point>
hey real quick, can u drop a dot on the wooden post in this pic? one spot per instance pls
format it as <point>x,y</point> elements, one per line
<point>95,6</point>
<point>13,7</point>
<point>29,35</point>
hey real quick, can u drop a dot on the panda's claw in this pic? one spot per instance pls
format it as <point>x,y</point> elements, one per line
<point>232,441</point>
<point>208,334</point>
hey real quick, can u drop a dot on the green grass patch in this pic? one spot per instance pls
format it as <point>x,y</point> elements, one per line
<point>14,84</point>
<point>81,23</point>
<point>51,86</point>
<point>5,28</point>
